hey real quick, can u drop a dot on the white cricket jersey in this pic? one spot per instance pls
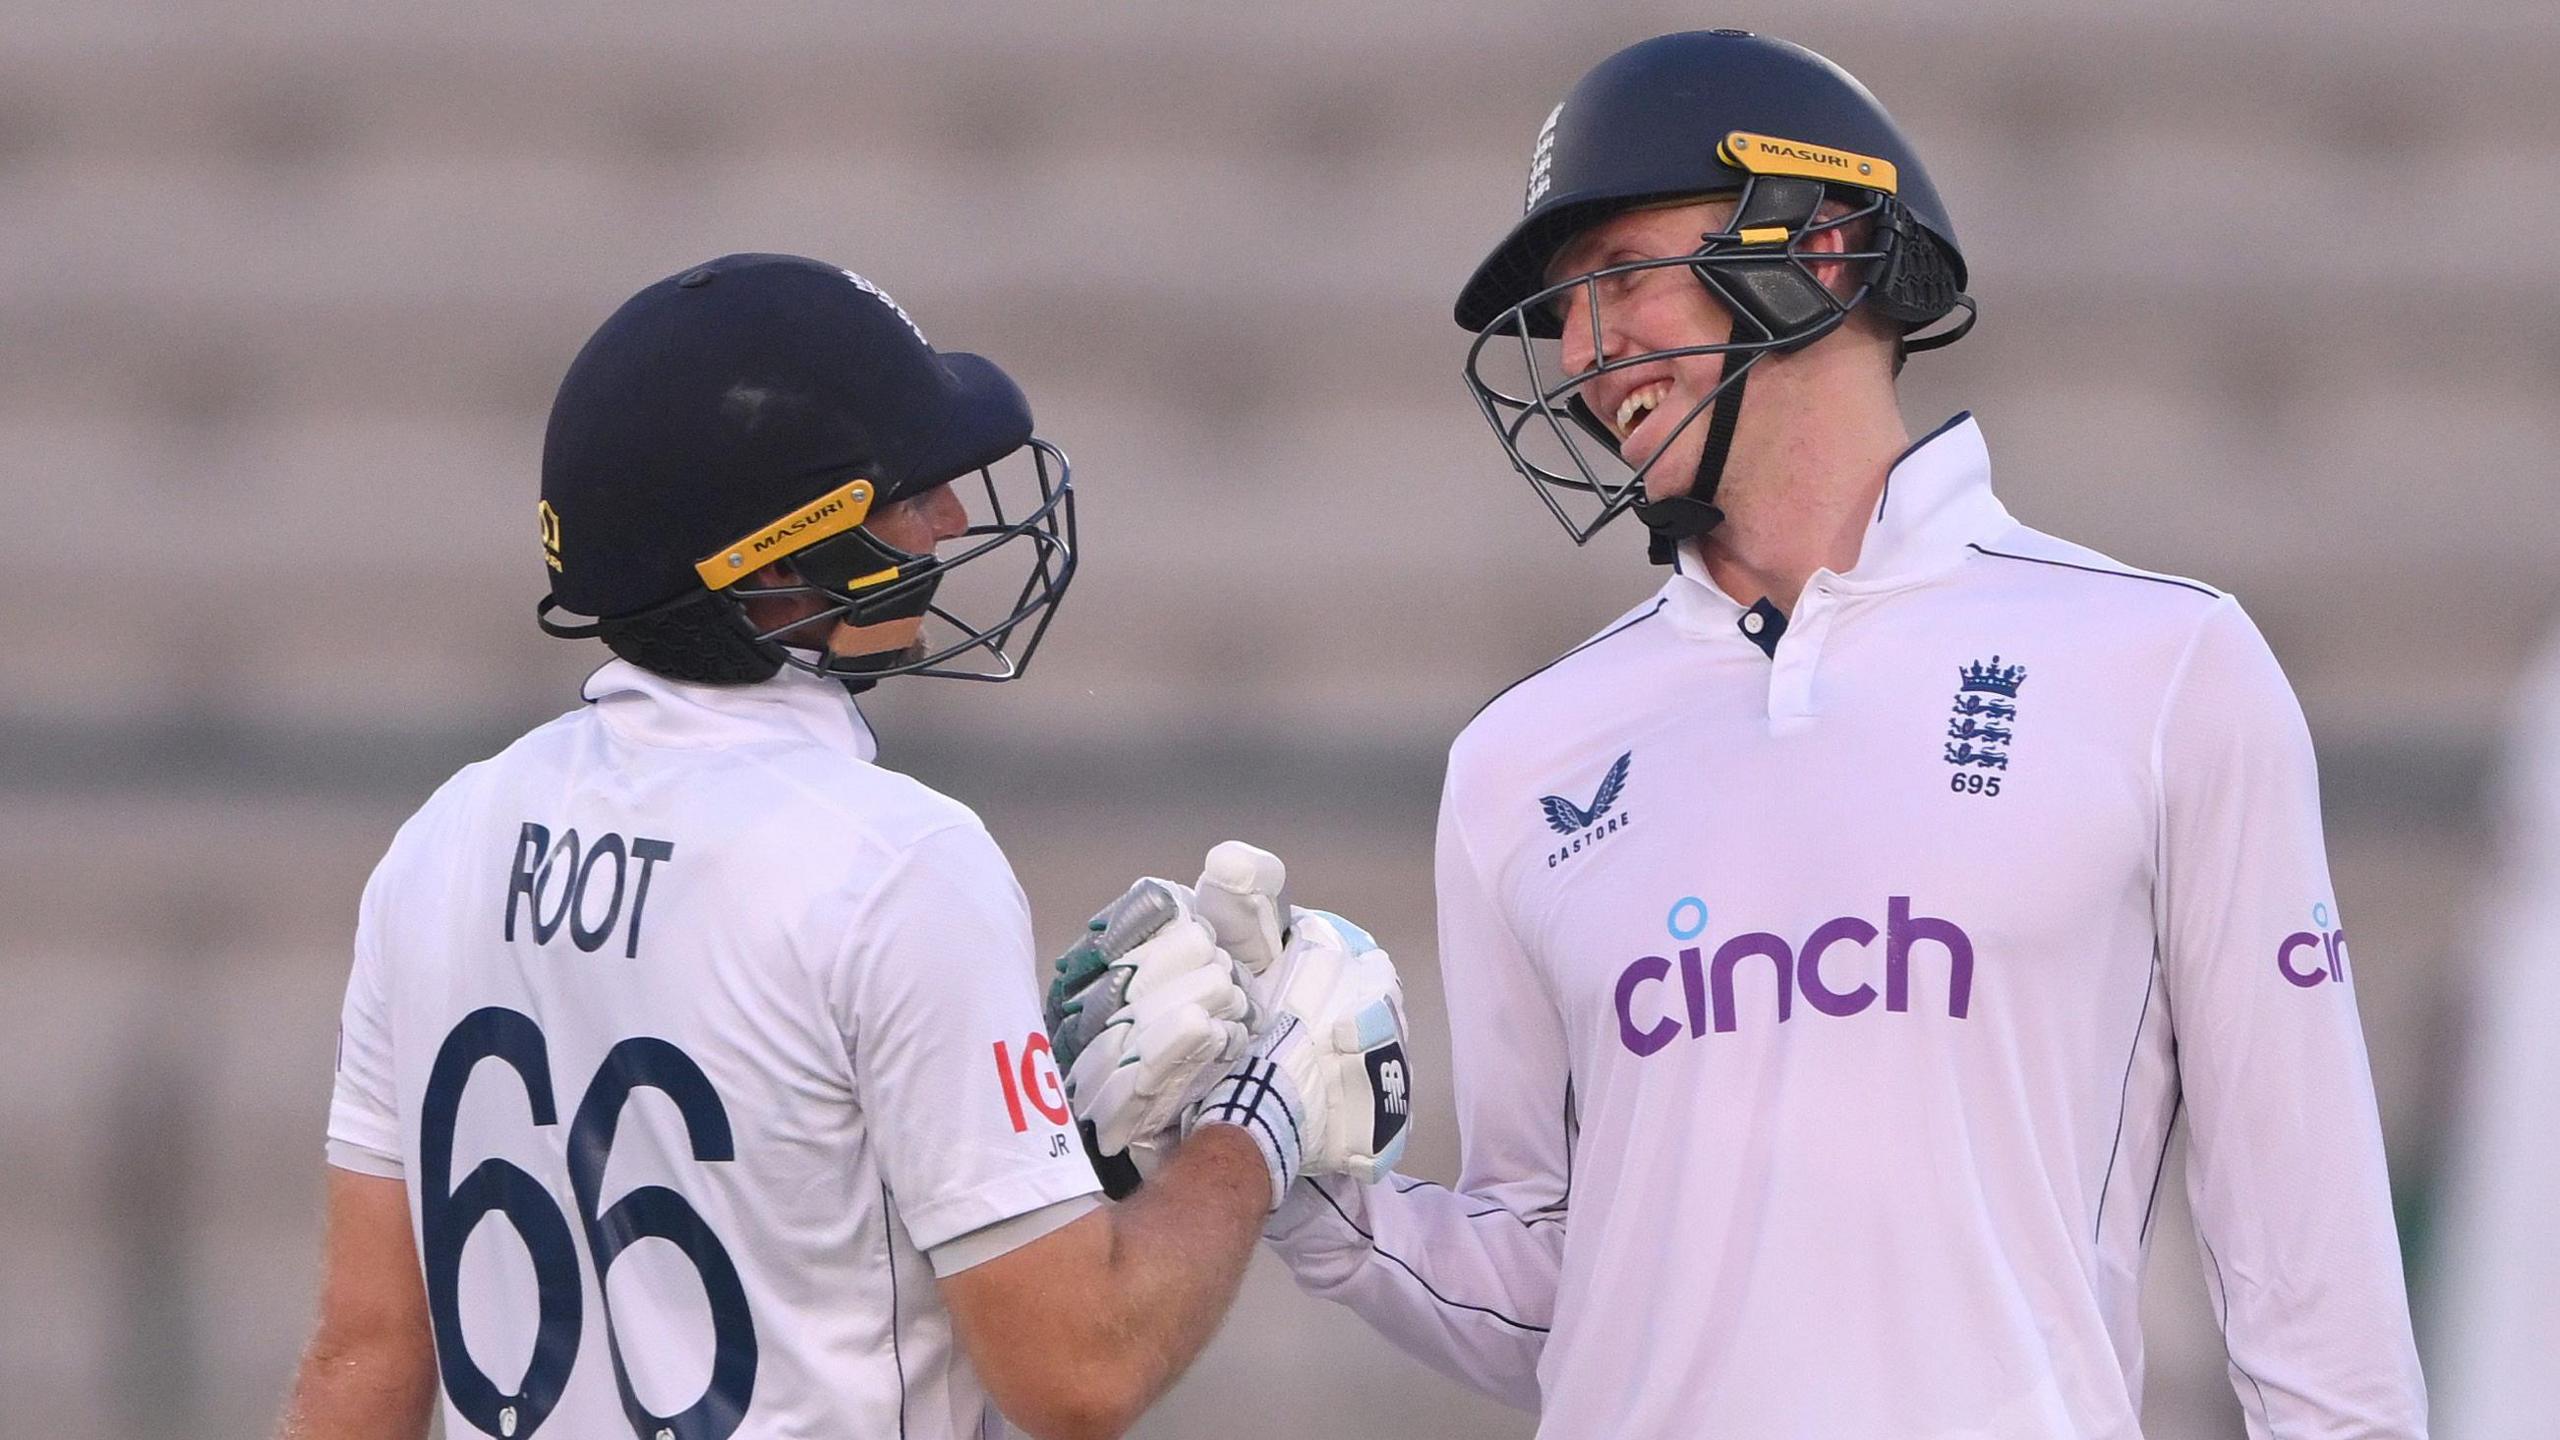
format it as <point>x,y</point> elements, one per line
<point>1826,989</point>
<point>695,1032</point>
<point>2494,1340</point>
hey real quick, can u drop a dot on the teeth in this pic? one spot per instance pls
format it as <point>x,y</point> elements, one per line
<point>1640,402</point>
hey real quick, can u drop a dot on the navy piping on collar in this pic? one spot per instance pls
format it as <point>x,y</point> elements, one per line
<point>1618,629</point>
<point>2094,570</point>
<point>1912,449</point>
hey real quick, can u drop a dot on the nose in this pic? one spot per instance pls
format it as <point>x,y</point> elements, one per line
<point>1581,348</point>
<point>945,515</point>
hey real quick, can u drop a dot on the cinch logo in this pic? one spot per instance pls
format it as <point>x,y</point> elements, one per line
<point>1646,1021</point>
<point>2315,956</point>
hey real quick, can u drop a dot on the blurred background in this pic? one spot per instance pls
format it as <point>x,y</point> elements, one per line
<point>286,286</point>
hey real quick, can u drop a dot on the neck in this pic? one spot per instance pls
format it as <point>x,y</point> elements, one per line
<point>1801,503</point>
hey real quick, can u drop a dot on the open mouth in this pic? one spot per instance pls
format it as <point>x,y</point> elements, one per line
<point>1639,403</point>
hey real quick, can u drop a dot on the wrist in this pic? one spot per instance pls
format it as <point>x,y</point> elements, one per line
<point>1259,1100</point>
<point>1225,1158</point>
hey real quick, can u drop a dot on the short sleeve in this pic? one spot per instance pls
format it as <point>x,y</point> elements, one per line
<point>993,1242</point>
<point>951,1063</point>
<point>364,1113</point>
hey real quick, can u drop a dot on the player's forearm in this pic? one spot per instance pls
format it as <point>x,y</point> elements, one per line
<point>2292,1206</point>
<point>1453,1279</point>
<point>1144,1282</point>
<point>369,1372</point>
<point>351,1390</point>
<point>1178,1251</point>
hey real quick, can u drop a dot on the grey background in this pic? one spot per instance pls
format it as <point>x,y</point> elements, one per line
<point>285,289</point>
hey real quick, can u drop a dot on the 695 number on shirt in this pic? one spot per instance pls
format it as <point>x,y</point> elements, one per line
<point>449,1212</point>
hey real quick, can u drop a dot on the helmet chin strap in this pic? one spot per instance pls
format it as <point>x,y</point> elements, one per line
<point>1675,518</point>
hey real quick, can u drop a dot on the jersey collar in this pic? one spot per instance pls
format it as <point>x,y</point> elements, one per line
<point>650,709</point>
<point>1937,500</point>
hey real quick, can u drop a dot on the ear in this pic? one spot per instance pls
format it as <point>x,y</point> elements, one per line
<point>1833,240</point>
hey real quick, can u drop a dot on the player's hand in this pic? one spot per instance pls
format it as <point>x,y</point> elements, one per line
<point>1243,894</point>
<point>1144,1015</point>
<point>1326,1088</point>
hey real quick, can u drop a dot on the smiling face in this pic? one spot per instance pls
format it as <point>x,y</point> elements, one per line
<point>1646,405</point>
<point>1662,308</point>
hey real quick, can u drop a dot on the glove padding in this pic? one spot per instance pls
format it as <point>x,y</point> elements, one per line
<point>1326,1089</point>
<point>1243,894</point>
<point>1144,1015</point>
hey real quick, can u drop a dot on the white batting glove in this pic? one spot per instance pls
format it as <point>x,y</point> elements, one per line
<point>1243,894</point>
<point>1326,1089</point>
<point>1144,1016</point>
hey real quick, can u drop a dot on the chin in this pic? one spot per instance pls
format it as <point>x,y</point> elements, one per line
<point>1674,472</point>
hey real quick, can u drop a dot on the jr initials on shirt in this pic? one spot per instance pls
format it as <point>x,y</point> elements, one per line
<point>565,885</point>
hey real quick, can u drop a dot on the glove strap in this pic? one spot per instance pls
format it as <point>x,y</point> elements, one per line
<point>1118,1172</point>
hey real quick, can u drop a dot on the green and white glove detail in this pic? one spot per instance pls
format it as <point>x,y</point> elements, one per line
<point>1326,1089</point>
<point>1144,1015</point>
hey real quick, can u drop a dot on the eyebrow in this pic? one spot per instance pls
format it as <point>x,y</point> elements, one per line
<point>1558,271</point>
<point>1557,275</point>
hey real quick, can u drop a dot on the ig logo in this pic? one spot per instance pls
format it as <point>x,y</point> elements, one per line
<point>1037,1080</point>
<point>2314,956</point>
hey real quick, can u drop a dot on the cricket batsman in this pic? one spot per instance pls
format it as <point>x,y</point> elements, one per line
<point>1838,941</point>
<point>692,1080</point>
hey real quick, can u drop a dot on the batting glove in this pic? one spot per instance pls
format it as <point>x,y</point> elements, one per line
<point>1144,1015</point>
<point>1326,1088</point>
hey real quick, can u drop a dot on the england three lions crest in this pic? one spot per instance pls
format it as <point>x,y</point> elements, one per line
<point>1982,724</point>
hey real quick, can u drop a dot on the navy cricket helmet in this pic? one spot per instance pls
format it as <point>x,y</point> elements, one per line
<point>759,409</point>
<point>1802,149</point>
